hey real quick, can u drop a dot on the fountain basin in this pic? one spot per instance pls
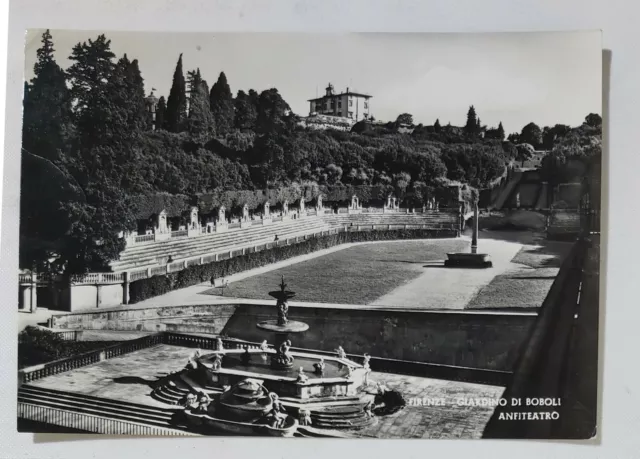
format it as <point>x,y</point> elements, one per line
<point>291,327</point>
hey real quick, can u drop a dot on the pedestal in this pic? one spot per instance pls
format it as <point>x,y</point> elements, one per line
<point>468,260</point>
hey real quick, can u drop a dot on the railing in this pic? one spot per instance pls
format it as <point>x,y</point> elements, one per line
<point>144,238</point>
<point>234,225</point>
<point>179,233</point>
<point>89,422</point>
<point>144,273</point>
<point>36,372</point>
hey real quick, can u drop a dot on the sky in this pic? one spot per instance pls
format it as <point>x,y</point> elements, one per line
<point>513,78</point>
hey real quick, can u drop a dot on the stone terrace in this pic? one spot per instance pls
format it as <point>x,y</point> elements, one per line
<point>128,378</point>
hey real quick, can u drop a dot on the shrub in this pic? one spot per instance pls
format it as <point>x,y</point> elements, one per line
<point>158,285</point>
<point>38,345</point>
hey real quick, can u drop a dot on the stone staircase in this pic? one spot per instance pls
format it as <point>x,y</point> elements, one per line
<point>341,417</point>
<point>151,254</point>
<point>101,407</point>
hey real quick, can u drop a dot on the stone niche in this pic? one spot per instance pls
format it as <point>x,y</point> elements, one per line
<point>301,208</point>
<point>266,213</point>
<point>195,227</point>
<point>245,222</point>
<point>162,230</point>
<point>355,207</point>
<point>391,204</point>
<point>221,223</point>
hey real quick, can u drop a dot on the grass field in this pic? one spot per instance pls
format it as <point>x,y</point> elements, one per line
<point>356,275</point>
<point>366,274</point>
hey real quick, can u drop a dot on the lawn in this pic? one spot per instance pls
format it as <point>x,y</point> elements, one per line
<point>355,275</point>
<point>525,287</point>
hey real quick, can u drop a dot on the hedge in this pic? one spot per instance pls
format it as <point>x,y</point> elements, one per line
<point>158,285</point>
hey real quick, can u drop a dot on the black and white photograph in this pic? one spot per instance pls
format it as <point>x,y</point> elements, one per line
<point>310,235</point>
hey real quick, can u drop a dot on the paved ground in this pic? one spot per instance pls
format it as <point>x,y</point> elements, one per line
<point>449,421</point>
<point>126,378</point>
<point>445,288</point>
<point>129,378</point>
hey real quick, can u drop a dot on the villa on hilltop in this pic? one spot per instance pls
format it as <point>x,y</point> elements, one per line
<point>337,111</point>
<point>348,104</point>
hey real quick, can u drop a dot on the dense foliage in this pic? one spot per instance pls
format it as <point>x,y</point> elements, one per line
<point>90,125</point>
<point>38,345</point>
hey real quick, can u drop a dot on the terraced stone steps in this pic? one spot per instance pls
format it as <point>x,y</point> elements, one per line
<point>148,255</point>
<point>96,406</point>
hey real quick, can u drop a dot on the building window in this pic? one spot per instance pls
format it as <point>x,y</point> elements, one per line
<point>350,103</point>
<point>366,104</point>
<point>350,114</point>
<point>339,104</point>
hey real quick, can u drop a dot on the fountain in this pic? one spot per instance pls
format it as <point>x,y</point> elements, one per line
<point>282,328</point>
<point>247,388</point>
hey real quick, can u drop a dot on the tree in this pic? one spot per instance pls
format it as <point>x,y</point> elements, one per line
<point>222,105</point>
<point>405,118</point>
<point>471,128</point>
<point>593,120</point>
<point>531,134</point>
<point>47,106</point>
<point>88,76</point>
<point>272,111</point>
<point>104,161</point>
<point>200,124</point>
<point>497,134</point>
<point>160,113</point>
<point>246,111</point>
<point>436,126</point>
<point>176,113</point>
<point>550,135</point>
<point>524,152</point>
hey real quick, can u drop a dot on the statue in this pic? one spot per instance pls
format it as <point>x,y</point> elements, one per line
<point>197,354</point>
<point>191,401</point>
<point>217,363</point>
<point>282,296</point>
<point>203,403</point>
<point>302,378</point>
<point>319,367</point>
<point>264,346</point>
<point>341,353</point>
<point>368,409</point>
<point>304,417</point>
<point>277,414</point>
<point>283,358</point>
<point>349,372</point>
<point>367,368</point>
<point>219,345</point>
<point>283,309</point>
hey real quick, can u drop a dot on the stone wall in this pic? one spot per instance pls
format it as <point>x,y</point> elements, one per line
<point>482,340</point>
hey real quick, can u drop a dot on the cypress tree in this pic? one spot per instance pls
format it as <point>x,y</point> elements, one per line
<point>500,131</point>
<point>200,124</point>
<point>160,112</point>
<point>246,111</point>
<point>47,106</point>
<point>472,123</point>
<point>436,126</point>
<point>222,105</point>
<point>176,113</point>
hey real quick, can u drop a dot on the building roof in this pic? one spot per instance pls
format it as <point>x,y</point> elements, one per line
<point>347,93</point>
